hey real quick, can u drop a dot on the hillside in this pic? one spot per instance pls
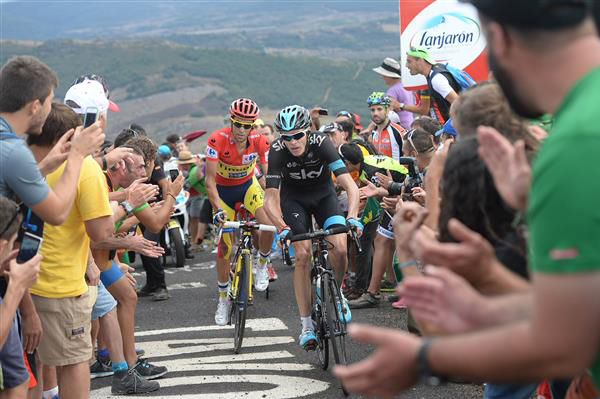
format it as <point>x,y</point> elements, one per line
<point>172,88</point>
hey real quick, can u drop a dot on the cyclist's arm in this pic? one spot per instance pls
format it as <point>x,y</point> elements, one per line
<point>273,208</point>
<point>346,182</point>
<point>273,181</point>
<point>211,184</point>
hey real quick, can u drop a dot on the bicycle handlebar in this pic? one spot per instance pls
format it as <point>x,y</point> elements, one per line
<point>249,225</point>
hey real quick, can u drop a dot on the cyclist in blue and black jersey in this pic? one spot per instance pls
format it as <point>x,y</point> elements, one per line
<point>299,187</point>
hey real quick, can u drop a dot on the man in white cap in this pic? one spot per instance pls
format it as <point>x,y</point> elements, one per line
<point>390,72</point>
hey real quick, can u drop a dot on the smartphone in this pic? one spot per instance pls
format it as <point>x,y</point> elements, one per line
<point>91,115</point>
<point>323,111</point>
<point>29,247</point>
<point>174,173</point>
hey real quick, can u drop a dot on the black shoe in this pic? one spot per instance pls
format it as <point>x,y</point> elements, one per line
<point>100,368</point>
<point>148,371</point>
<point>189,254</point>
<point>145,291</point>
<point>161,294</point>
<point>130,382</point>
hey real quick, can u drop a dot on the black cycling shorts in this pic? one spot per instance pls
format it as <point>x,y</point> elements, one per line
<point>206,212</point>
<point>299,208</point>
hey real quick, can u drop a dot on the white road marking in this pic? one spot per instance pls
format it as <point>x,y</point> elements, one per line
<point>157,349</point>
<point>183,286</point>
<point>267,324</point>
<point>285,387</point>
<point>242,357</point>
<point>178,365</point>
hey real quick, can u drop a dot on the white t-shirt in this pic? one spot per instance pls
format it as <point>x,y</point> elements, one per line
<point>441,85</point>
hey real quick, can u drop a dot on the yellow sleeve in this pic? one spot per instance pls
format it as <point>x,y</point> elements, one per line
<point>94,204</point>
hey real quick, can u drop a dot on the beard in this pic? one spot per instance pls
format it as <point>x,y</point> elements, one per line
<point>507,85</point>
<point>377,120</point>
<point>36,124</point>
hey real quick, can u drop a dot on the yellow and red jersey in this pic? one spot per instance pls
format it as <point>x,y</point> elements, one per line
<point>234,168</point>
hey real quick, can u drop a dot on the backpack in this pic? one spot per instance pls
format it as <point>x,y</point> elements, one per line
<point>462,78</point>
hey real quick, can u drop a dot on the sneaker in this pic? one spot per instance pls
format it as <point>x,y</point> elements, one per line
<point>100,369</point>
<point>149,371</point>
<point>223,312</point>
<point>272,273</point>
<point>366,300</point>
<point>145,291</point>
<point>308,340</point>
<point>161,294</point>
<point>130,382</point>
<point>261,278</point>
<point>344,311</point>
<point>387,286</point>
<point>399,304</point>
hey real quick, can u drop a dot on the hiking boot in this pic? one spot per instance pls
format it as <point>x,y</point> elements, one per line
<point>130,382</point>
<point>100,368</point>
<point>149,371</point>
<point>145,291</point>
<point>161,294</point>
<point>366,300</point>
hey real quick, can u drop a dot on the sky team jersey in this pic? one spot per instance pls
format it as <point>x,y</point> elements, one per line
<point>385,142</point>
<point>234,168</point>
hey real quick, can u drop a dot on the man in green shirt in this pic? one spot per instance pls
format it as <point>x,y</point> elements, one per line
<point>546,58</point>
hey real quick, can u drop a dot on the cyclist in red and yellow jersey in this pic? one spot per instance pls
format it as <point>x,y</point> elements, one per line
<point>231,155</point>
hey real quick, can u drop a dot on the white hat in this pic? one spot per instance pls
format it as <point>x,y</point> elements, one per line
<point>86,94</point>
<point>390,68</point>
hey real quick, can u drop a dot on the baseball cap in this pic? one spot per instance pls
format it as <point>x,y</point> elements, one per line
<point>390,68</point>
<point>420,52</point>
<point>164,150</point>
<point>447,128</point>
<point>86,94</point>
<point>535,14</point>
<point>98,78</point>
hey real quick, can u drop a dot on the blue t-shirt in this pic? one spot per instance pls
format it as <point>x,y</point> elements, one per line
<point>20,178</point>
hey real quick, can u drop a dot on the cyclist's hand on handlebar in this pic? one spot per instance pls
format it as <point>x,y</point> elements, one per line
<point>355,223</point>
<point>219,216</point>
<point>283,235</point>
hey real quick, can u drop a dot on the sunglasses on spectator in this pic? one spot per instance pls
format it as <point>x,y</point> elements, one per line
<point>345,113</point>
<point>11,221</point>
<point>290,137</point>
<point>332,128</point>
<point>242,125</point>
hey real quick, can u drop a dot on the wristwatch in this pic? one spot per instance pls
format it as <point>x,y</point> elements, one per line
<point>127,207</point>
<point>424,371</point>
<point>401,106</point>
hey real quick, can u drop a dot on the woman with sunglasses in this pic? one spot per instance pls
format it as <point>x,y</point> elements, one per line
<point>299,186</point>
<point>231,156</point>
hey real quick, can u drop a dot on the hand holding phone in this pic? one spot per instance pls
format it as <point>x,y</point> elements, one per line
<point>174,173</point>
<point>91,115</point>
<point>29,247</point>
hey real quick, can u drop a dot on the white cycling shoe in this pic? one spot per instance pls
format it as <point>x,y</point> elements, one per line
<point>261,278</point>
<point>223,312</point>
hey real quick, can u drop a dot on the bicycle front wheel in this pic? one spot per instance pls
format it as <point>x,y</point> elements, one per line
<point>240,304</point>
<point>318,317</point>
<point>336,326</point>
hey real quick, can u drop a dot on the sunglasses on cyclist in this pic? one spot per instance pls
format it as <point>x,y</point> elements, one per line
<point>241,125</point>
<point>290,137</point>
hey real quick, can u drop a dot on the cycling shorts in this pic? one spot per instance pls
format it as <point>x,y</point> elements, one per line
<point>298,208</point>
<point>249,193</point>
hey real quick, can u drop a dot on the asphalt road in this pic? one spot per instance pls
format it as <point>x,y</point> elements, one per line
<point>180,333</point>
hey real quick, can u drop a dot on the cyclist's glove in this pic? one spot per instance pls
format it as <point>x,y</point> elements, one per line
<point>353,222</point>
<point>219,216</point>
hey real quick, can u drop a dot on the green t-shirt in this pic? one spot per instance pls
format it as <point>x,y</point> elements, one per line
<point>198,185</point>
<point>564,212</point>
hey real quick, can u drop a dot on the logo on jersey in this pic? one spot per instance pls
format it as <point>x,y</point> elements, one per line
<point>296,215</point>
<point>277,146</point>
<point>291,164</point>
<point>316,139</point>
<point>303,175</point>
<point>249,158</point>
<point>211,152</point>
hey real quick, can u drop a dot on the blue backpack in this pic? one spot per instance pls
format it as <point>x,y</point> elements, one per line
<point>462,78</point>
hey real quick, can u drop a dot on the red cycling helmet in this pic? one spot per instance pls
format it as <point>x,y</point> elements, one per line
<point>244,108</point>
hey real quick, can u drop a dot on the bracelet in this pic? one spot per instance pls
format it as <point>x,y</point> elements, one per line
<point>424,371</point>
<point>104,163</point>
<point>174,198</point>
<point>403,265</point>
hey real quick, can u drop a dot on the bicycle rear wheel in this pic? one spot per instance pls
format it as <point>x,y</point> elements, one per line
<point>320,326</point>
<point>240,304</point>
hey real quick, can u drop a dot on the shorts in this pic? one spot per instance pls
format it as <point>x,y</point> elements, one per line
<point>104,303</point>
<point>206,212</point>
<point>194,206</point>
<point>112,275</point>
<point>67,324</point>
<point>299,208</point>
<point>249,193</point>
<point>385,227</point>
<point>12,359</point>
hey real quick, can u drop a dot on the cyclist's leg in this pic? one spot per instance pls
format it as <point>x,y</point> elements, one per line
<point>253,201</point>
